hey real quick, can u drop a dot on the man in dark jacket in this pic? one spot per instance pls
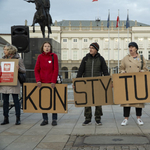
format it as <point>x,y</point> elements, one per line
<point>93,65</point>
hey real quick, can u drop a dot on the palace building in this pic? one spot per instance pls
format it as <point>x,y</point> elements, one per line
<point>75,36</point>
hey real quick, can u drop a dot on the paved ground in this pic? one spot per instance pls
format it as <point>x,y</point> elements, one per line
<point>31,136</point>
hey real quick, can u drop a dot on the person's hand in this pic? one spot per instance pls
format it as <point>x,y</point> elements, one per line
<point>73,86</point>
<point>141,70</point>
<point>17,67</point>
<point>39,84</point>
<point>52,85</point>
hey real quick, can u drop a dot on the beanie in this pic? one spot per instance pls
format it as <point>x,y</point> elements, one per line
<point>133,44</point>
<point>95,45</point>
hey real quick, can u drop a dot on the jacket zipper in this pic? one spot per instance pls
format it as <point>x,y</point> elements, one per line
<point>92,67</point>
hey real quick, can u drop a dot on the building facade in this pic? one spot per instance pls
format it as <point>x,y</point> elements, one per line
<point>76,36</point>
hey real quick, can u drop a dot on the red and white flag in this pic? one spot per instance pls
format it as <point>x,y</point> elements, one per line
<point>94,0</point>
<point>117,23</point>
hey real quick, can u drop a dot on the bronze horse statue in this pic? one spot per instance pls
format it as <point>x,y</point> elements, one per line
<point>42,15</point>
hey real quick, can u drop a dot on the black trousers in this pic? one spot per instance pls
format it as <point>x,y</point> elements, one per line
<point>126,111</point>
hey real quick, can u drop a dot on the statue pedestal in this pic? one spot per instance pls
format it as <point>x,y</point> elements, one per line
<point>31,57</point>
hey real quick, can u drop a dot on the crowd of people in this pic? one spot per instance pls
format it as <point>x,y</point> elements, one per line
<point>92,65</point>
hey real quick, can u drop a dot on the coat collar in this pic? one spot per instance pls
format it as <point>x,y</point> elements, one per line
<point>47,54</point>
<point>131,59</point>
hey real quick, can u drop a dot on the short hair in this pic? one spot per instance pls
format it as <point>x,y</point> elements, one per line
<point>11,49</point>
<point>43,46</point>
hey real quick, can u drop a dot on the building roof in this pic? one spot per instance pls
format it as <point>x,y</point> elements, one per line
<point>97,23</point>
<point>2,41</point>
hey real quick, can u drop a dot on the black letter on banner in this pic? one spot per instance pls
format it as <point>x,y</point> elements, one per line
<point>80,93</point>
<point>126,85</point>
<point>28,97</point>
<point>40,101</point>
<point>146,89</point>
<point>93,89</point>
<point>63,104</point>
<point>105,88</point>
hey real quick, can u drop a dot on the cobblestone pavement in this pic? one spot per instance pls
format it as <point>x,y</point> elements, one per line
<point>31,136</point>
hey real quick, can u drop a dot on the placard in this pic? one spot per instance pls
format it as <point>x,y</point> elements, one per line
<point>44,99</point>
<point>131,88</point>
<point>93,91</point>
<point>9,71</point>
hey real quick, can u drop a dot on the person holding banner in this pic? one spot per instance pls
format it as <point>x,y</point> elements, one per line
<point>10,52</point>
<point>46,71</point>
<point>133,62</point>
<point>93,65</point>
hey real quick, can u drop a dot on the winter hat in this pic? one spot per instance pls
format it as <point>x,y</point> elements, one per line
<point>95,45</point>
<point>133,44</point>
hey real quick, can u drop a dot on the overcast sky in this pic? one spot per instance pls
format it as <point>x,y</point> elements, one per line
<point>15,12</point>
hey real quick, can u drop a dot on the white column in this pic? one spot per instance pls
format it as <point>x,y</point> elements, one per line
<point>70,48</point>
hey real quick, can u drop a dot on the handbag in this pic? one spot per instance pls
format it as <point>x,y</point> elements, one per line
<point>21,77</point>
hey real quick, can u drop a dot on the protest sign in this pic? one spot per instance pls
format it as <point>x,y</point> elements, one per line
<point>8,71</point>
<point>44,99</point>
<point>93,91</point>
<point>131,88</point>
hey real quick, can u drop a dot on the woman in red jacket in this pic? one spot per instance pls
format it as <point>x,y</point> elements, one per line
<point>46,71</point>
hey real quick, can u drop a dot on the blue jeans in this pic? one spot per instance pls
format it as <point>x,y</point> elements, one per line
<point>6,104</point>
<point>45,116</point>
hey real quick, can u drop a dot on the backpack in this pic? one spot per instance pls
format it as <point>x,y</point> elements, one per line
<point>59,77</point>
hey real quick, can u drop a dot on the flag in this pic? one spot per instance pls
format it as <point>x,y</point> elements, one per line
<point>117,24</point>
<point>108,20</point>
<point>94,0</point>
<point>127,22</point>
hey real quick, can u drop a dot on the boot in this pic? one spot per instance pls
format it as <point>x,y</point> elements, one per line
<point>6,121</point>
<point>18,122</point>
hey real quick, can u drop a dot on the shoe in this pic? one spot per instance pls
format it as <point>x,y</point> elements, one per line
<point>140,122</point>
<point>98,122</point>
<point>86,122</point>
<point>124,122</point>
<point>6,121</point>
<point>45,122</point>
<point>18,122</point>
<point>54,123</point>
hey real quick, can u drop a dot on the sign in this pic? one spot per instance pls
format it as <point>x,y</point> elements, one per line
<point>93,91</point>
<point>131,88</point>
<point>44,99</point>
<point>8,71</point>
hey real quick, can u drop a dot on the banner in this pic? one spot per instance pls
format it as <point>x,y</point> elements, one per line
<point>8,71</point>
<point>131,88</point>
<point>45,99</point>
<point>93,91</point>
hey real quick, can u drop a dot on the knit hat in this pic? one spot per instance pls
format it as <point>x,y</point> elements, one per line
<point>133,44</point>
<point>95,45</point>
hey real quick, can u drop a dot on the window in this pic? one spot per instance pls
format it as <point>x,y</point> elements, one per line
<point>106,43</point>
<point>116,55</point>
<point>85,52</point>
<point>106,55</point>
<point>64,55</point>
<point>64,40</point>
<point>148,55</point>
<point>75,55</point>
<point>140,52</point>
<point>85,40</point>
<point>74,40</point>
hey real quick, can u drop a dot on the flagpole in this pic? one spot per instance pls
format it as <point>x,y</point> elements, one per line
<point>128,31</point>
<point>118,42</point>
<point>108,39</point>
